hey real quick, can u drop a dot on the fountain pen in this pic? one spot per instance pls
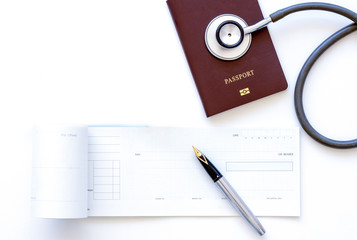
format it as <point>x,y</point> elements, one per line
<point>229,192</point>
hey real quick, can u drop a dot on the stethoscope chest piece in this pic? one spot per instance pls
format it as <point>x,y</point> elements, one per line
<point>225,38</point>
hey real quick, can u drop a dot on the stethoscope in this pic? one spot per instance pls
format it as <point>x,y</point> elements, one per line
<point>228,37</point>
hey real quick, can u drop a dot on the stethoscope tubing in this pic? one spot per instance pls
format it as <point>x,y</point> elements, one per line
<point>299,87</point>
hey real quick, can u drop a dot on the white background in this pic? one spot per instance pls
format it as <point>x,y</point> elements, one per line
<point>121,62</point>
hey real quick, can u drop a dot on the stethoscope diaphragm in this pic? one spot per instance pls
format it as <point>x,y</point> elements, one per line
<point>225,38</point>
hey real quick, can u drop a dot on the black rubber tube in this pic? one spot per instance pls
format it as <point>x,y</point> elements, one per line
<point>314,6</point>
<point>298,95</point>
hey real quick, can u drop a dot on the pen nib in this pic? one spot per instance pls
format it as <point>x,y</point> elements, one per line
<point>197,152</point>
<point>199,155</point>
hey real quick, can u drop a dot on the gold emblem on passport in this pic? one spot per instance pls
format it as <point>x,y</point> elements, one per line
<point>244,91</point>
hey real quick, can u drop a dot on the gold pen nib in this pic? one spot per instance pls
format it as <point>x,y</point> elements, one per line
<point>199,155</point>
<point>197,152</point>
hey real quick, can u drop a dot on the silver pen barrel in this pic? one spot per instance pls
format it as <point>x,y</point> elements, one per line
<point>239,205</point>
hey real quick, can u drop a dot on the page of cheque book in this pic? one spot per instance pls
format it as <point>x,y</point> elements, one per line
<point>59,171</point>
<point>153,171</point>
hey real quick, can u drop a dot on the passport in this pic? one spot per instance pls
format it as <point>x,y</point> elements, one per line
<point>223,85</point>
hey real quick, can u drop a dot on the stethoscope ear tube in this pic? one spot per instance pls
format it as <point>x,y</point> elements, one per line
<point>298,95</point>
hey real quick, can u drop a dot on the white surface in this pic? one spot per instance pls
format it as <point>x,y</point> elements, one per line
<point>117,62</point>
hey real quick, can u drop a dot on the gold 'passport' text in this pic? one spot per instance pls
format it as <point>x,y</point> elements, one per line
<point>238,77</point>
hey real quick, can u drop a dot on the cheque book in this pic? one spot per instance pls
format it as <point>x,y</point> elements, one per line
<point>223,85</point>
<point>82,171</point>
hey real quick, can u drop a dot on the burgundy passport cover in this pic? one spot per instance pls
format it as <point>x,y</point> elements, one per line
<point>223,85</point>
